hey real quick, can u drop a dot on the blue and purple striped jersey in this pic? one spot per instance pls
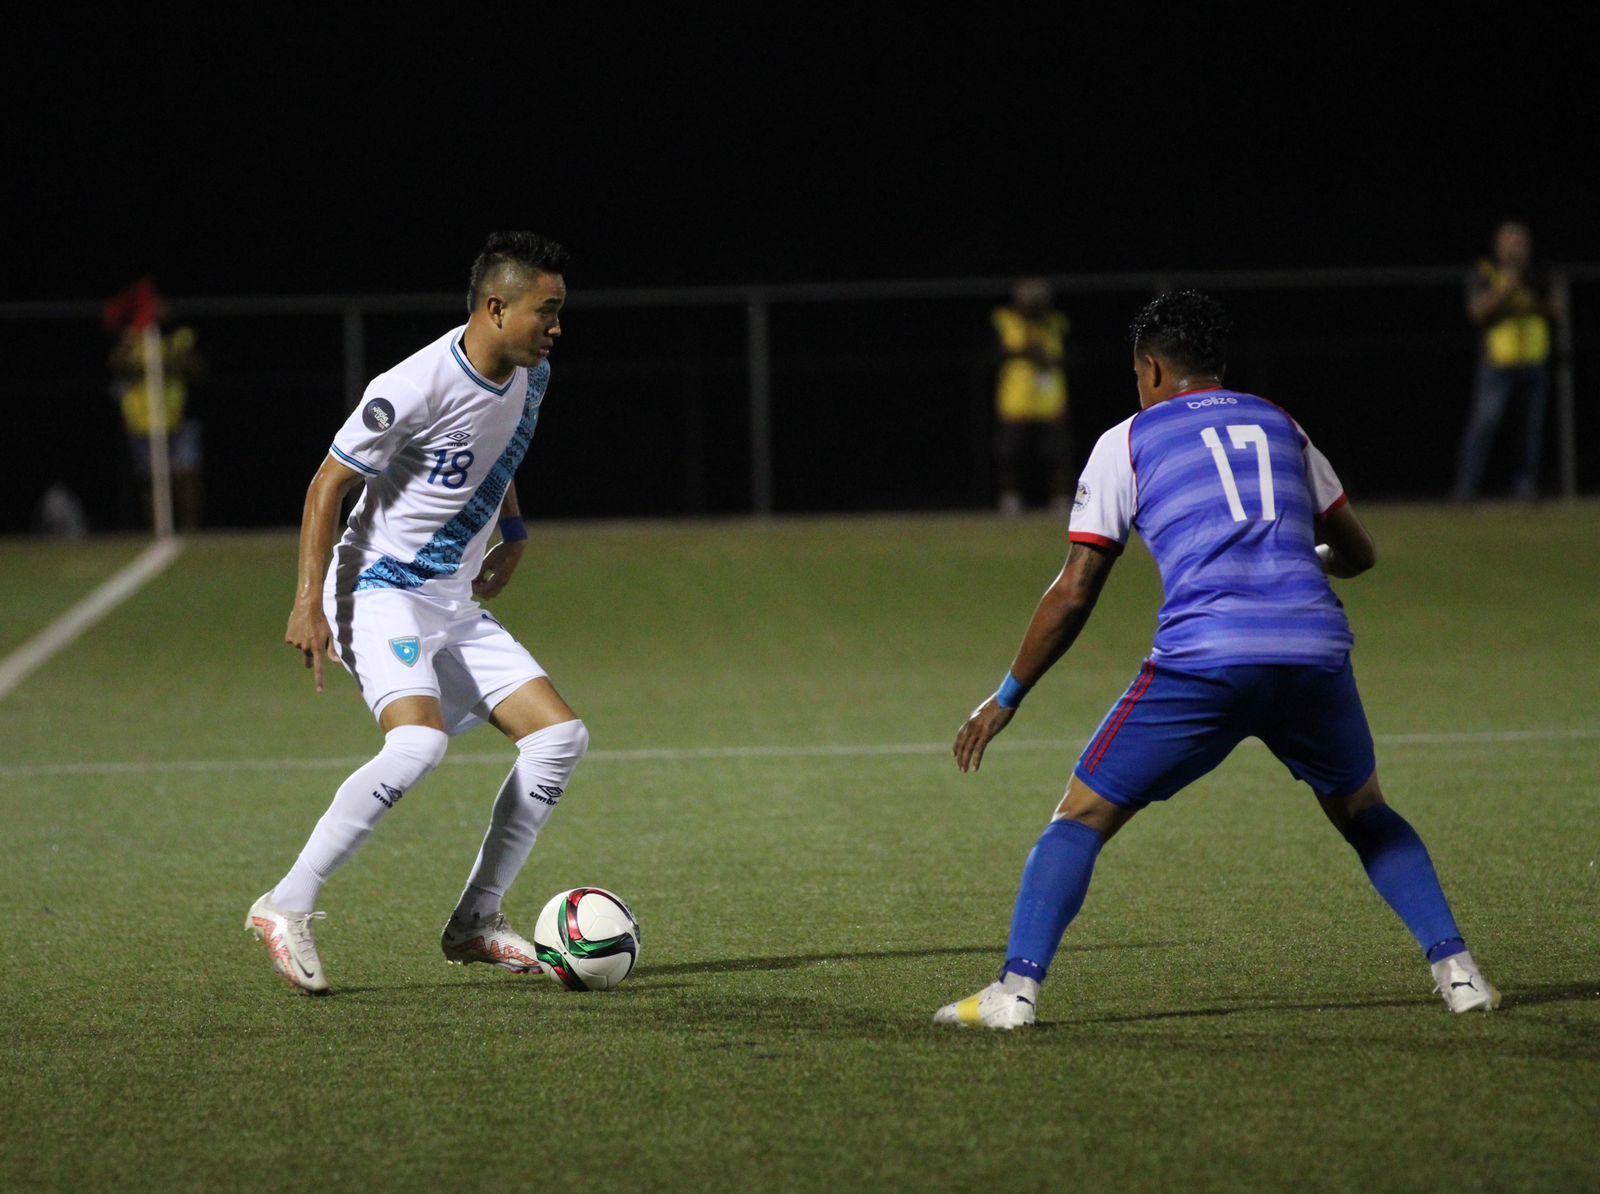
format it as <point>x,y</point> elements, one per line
<point>1225,489</point>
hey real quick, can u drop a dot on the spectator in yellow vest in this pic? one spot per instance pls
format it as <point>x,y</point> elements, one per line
<point>1511,302</point>
<point>1031,394</point>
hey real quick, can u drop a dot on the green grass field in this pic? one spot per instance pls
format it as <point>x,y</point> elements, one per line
<point>771,788</point>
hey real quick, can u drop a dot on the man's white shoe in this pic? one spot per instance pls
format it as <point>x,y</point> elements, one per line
<point>1010,1003</point>
<point>1463,986</point>
<point>289,940</point>
<point>489,939</point>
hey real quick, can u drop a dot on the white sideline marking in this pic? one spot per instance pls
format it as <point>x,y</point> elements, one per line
<point>689,754</point>
<point>36,652</point>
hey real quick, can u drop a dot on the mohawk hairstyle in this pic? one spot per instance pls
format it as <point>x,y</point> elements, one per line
<point>1185,327</point>
<point>524,251</point>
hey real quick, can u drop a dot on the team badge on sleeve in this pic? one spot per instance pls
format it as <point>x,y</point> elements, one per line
<point>406,650</point>
<point>378,415</point>
<point>1082,498</point>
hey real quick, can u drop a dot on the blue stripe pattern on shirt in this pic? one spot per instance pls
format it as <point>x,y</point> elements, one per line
<point>441,556</point>
<point>1237,591</point>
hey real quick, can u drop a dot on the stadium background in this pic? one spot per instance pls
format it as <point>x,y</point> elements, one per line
<point>314,165</point>
<point>876,404</point>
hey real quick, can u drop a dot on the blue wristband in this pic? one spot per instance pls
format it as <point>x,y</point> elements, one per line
<point>512,530</point>
<point>1011,692</point>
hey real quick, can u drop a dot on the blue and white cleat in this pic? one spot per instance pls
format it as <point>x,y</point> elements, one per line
<point>1463,986</point>
<point>1010,1003</point>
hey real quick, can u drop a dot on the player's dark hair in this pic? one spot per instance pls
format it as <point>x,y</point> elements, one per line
<point>1185,327</point>
<point>520,250</point>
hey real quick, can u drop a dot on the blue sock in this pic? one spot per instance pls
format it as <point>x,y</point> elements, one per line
<point>1398,864</point>
<point>1054,882</point>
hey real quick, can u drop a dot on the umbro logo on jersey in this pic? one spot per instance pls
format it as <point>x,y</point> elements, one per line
<point>387,796</point>
<point>378,415</point>
<point>546,794</point>
<point>406,650</point>
<point>459,437</point>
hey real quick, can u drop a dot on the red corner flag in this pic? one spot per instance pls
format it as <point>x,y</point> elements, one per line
<point>138,306</point>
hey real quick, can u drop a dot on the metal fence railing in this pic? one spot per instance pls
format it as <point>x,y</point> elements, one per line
<point>788,398</point>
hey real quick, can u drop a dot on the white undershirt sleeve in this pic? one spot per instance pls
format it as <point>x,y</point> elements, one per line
<point>1108,493</point>
<point>1327,493</point>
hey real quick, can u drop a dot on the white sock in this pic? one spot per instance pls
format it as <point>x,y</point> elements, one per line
<point>1020,984</point>
<point>409,753</point>
<point>545,763</point>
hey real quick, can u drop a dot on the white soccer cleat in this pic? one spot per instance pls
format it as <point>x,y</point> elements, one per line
<point>1001,1005</point>
<point>489,939</point>
<point>1463,986</point>
<point>289,940</point>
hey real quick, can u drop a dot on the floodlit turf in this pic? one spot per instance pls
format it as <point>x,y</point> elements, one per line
<point>1234,1010</point>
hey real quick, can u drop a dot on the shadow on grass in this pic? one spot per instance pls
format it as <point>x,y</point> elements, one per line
<point>653,976</point>
<point>1531,996</point>
<point>1549,993</point>
<point>797,961</point>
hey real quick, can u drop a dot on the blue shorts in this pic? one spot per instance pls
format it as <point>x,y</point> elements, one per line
<point>1172,727</point>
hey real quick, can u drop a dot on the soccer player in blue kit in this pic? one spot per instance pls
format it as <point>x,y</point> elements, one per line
<point>434,444</point>
<point>1245,519</point>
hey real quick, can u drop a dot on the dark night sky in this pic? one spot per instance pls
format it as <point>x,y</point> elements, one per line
<point>316,158</point>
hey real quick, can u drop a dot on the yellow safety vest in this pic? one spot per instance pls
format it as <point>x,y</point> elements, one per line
<point>1522,336</point>
<point>175,358</point>
<point>1025,391</point>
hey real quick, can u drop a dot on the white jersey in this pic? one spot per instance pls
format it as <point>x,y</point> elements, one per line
<point>438,444</point>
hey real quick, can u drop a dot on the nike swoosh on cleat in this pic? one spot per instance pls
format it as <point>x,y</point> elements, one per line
<point>303,970</point>
<point>1468,983</point>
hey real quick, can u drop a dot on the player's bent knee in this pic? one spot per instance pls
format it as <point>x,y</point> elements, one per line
<point>565,742</point>
<point>420,748</point>
<point>1086,806</point>
<point>1342,810</point>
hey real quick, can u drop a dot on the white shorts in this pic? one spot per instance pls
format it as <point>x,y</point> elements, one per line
<point>397,644</point>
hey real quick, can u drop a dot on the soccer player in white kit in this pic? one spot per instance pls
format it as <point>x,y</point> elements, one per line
<point>436,443</point>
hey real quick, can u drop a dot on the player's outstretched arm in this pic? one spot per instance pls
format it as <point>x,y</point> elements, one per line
<point>308,630</point>
<point>1343,545</point>
<point>503,558</point>
<point>1060,616</point>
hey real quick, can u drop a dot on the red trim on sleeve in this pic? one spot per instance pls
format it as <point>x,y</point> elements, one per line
<point>1343,500</point>
<point>1093,540</point>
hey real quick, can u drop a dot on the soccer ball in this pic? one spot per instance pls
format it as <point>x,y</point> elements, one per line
<point>588,938</point>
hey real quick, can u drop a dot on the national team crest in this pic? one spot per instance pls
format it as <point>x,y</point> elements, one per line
<point>407,650</point>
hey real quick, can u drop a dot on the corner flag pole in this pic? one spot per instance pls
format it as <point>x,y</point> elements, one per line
<point>140,307</point>
<point>160,458</point>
